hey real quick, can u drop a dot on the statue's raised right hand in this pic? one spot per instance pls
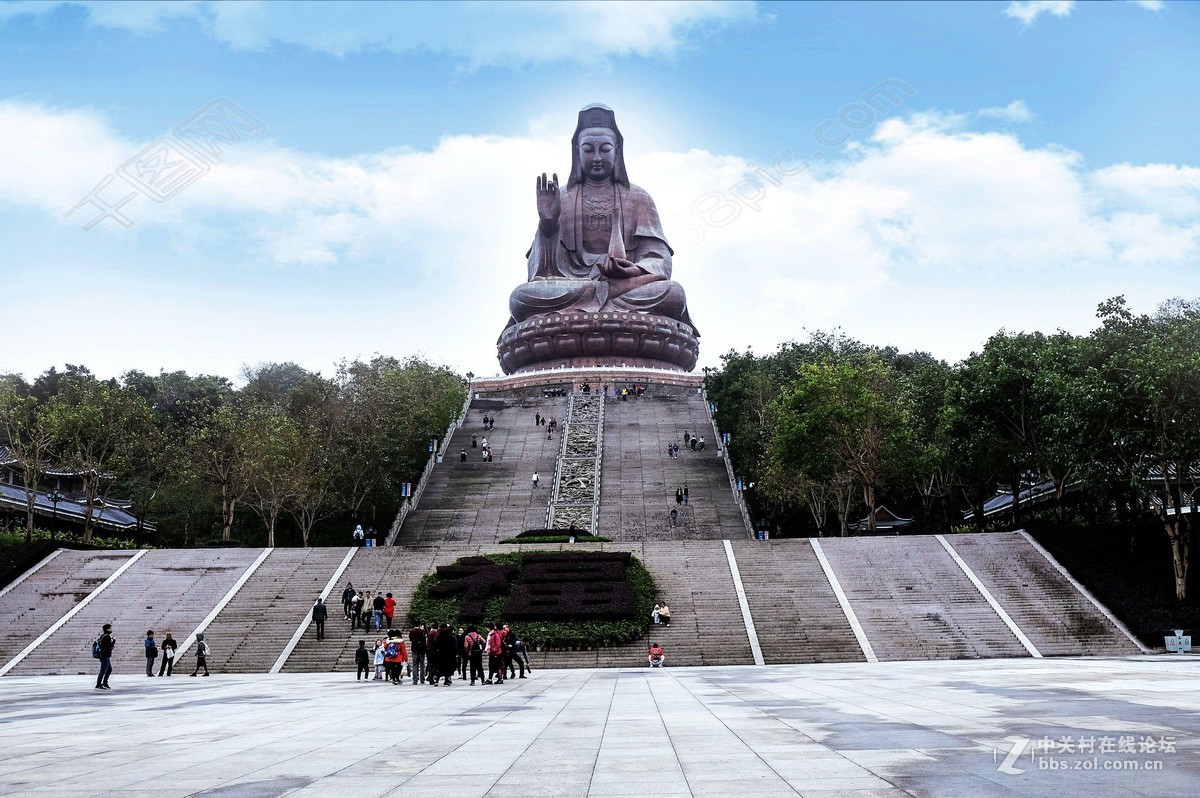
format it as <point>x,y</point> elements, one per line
<point>548,203</point>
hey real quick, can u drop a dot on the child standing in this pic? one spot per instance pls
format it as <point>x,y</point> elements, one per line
<point>362,660</point>
<point>378,656</point>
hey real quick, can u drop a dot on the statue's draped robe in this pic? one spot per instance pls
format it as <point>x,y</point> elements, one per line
<point>564,276</point>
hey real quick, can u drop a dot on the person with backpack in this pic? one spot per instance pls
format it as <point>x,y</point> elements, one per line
<point>102,649</point>
<point>362,660</point>
<point>151,652</point>
<point>473,645</point>
<point>416,638</point>
<point>202,652</point>
<point>319,614</point>
<point>495,648</point>
<point>657,656</point>
<point>168,655</point>
<point>394,657</point>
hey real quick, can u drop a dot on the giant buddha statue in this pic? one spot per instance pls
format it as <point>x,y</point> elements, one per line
<point>600,290</point>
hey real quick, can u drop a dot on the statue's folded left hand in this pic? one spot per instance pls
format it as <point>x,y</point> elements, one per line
<point>619,268</point>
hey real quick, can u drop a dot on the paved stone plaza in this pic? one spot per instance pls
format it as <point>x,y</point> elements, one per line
<point>886,729</point>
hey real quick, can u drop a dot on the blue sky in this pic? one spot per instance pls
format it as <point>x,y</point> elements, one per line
<point>1029,160</point>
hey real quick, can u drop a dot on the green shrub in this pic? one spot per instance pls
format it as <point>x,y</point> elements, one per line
<point>550,632</point>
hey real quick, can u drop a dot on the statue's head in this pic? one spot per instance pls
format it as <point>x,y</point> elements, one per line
<point>597,148</point>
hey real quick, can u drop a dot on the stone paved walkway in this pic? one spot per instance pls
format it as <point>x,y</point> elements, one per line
<point>886,729</point>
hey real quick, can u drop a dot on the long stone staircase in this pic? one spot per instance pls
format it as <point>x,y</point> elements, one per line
<point>914,602</point>
<point>1055,616</point>
<point>795,611</point>
<point>32,606</point>
<point>639,479</point>
<point>165,590</point>
<point>257,623</point>
<point>477,503</point>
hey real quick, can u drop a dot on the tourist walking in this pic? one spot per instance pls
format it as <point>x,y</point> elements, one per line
<point>319,614</point>
<point>537,419</point>
<point>168,655</point>
<point>377,607</point>
<point>416,638</point>
<point>202,651</point>
<point>362,661</point>
<point>535,480</point>
<point>395,656</point>
<point>462,456</point>
<point>674,516</point>
<point>356,609</point>
<point>389,611</point>
<point>151,652</point>
<point>474,441</point>
<point>510,652</point>
<point>462,662</point>
<point>446,648</point>
<point>495,656</point>
<point>431,661</point>
<point>359,536</point>
<point>679,495</point>
<point>102,650</point>
<point>473,645</point>
<point>685,495</point>
<point>348,599</point>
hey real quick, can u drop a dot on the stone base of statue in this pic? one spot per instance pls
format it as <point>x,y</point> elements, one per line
<point>579,340</point>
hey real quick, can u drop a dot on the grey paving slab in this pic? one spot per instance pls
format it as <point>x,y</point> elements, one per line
<point>823,731</point>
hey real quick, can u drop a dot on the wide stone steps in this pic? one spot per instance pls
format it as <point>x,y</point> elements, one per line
<point>914,602</point>
<point>384,570</point>
<point>478,503</point>
<point>639,479</point>
<point>251,630</point>
<point>795,611</point>
<point>1047,608</point>
<point>165,590</point>
<point>912,599</point>
<point>52,591</point>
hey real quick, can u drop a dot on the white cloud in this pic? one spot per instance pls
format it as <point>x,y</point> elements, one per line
<point>1149,5</point>
<point>477,33</point>
<point>1027,11</point>
<point>928,235</point>
<point>1016,112</point>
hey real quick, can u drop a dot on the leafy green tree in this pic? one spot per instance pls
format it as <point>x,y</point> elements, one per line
<point>220,454</point>
<point>30,439</point>
<point>841,418</point>
<point>276,458</point>
<point>96,425</point>
<point>1152,367</point>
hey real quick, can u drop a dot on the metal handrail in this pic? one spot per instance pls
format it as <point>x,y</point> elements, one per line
<point>737,494</point>
<point>410,502</point>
